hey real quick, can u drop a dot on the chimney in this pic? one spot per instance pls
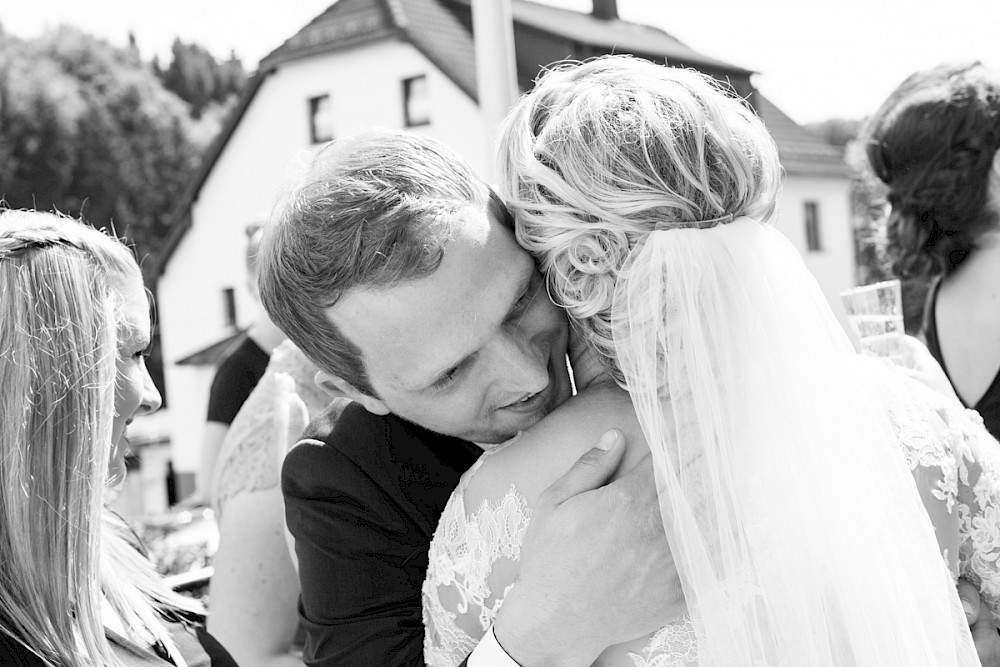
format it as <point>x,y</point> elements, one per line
<point>605,9</point>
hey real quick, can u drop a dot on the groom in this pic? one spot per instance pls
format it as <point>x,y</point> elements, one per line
<point>393,266</point>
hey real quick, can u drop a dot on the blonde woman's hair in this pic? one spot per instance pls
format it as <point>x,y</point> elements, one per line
<point>61,303</point>
<point>601,153</point>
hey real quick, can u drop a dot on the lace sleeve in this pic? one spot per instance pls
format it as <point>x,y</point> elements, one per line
<point>956,464</point>
<point>473,562</point>
<point>979,506</point>
<point>471,556</point>
<point>252,449</point>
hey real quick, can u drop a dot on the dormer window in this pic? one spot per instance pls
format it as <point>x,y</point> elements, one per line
<point>416,101</point>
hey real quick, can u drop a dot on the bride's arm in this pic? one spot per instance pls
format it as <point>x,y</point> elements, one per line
<point>602,612</point>
<point>956,464</point>
<point>979,506</point>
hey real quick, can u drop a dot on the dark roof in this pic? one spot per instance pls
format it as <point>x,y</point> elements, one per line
<point>214,353</point>
<point>802,152</point>
<point>616,36</point>
<point>427,24</point>
<point>442,31</point>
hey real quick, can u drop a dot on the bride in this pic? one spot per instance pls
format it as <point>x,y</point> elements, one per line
<point>785,462</point>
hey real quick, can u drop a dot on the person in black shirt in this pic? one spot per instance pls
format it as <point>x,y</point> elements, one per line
<point>238,373</point>
<point>483,357</point>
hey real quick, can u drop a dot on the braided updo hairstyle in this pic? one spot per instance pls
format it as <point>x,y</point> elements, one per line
<point>932,143</point>
<point>601,153</point>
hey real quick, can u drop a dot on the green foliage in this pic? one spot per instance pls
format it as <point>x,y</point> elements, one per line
<point>197,78</point>
<point>90,130</point>
<point>86,128</point>
<point>836,131</point>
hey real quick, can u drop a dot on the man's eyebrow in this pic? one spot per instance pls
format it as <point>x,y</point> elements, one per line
<point>523,288</point>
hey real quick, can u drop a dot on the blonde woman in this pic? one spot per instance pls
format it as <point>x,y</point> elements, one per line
<point>785,462</point>
<point>74,331</point>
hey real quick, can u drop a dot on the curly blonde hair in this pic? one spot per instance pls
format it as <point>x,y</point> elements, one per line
<point>601,153</point>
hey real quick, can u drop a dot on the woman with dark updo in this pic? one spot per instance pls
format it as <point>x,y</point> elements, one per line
<point>934,144</point>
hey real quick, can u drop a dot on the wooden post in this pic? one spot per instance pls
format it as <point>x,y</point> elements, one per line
<point>496,70</point>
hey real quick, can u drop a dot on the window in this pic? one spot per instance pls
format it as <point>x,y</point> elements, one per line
<point>416,103</point>
<point>320,119</point>
<point>229,307</point>
<point>813,242</point>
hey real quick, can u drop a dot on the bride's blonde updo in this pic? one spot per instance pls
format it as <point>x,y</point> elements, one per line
<point>599,154</point>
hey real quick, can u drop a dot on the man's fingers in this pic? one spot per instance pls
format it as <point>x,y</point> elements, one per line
<point>592,470</point>
<point>984,634</point>
<point>638,478</point>
<point>971,602</point>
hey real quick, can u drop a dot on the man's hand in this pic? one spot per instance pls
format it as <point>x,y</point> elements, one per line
<point>981,624</point>
<point>595,566</point>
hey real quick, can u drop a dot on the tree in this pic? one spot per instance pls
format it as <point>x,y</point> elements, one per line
<point>86,128</point>
<point>196,77</point>
<point>836,131</point>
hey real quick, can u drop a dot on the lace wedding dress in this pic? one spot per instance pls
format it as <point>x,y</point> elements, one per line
<point>255,445</point>
<point>954,461</point>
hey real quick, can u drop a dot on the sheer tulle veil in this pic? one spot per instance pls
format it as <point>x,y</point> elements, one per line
<point>793,519</point>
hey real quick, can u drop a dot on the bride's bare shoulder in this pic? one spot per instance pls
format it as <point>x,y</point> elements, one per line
<point>544,452</point>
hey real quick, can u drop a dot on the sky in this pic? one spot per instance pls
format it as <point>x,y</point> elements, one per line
<point>815,60</point>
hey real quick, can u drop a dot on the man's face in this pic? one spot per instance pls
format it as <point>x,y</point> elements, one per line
<point>475,350</point>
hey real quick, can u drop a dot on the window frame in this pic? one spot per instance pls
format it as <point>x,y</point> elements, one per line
<point>313,105</point>
<point>407,84</point>
<point>814,239</point>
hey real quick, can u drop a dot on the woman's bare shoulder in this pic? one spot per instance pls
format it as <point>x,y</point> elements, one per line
<point>544,452</point>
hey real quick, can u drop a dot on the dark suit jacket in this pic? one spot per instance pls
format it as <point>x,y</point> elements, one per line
<point>362,499</point>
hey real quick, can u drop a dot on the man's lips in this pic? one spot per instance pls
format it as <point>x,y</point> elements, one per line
<point>542,401</point>
<point>530,403</point>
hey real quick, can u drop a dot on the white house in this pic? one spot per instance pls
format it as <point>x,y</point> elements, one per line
<point>410,63</point>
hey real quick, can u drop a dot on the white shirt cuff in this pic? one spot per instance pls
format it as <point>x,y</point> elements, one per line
<point>489,653</point>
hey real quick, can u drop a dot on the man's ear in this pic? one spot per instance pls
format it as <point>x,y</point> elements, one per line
<point>338,387</point>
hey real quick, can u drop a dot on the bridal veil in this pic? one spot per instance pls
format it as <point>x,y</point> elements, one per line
<point>793,518</point>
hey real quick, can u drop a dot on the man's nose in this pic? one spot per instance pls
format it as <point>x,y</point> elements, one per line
<point>523,363</point>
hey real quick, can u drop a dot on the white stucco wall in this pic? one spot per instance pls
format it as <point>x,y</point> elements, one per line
<point>834,265</point>
<point>271,142</point>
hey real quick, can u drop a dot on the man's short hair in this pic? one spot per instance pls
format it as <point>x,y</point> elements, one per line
<point>372,211</point>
